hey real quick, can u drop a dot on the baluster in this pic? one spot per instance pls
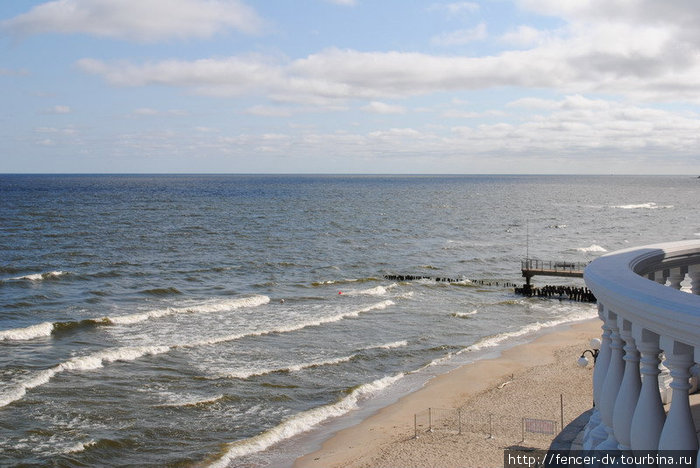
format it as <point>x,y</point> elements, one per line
<point>649,415</point>
<point>679,430</point>
<point>595,432</point>
<point>660,276</point>
<point>676,277</point>
<point>628,394</point>
<point>694,273</point>
<point>611,385</point>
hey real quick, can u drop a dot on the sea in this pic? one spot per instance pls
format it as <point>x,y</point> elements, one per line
<point>239,320</point>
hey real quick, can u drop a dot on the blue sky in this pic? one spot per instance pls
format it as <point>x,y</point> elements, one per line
<point>350,86</point>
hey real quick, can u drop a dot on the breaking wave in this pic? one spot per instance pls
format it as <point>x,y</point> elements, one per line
<point>292,327</point>
<point>47,328</point>
<point>591,248</point>
<point>344,281</point>
<point>303,421</point>
<point>245,374</point>
<point>40,276</point>
<point>27,333</point>
<point>395,344</point>
<point>207,307</point>
<point>495,340</point>
<point>80,363</point>
<point>647,206</point>
<point>376,291</point>
<point>464,314</point>
<point>191,402</point>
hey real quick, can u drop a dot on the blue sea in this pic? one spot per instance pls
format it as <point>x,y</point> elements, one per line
<point>238,319</point>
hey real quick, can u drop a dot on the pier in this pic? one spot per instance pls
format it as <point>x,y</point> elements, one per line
<point>531,267</point>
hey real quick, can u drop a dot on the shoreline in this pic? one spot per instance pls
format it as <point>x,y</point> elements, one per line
<point>386,437</point>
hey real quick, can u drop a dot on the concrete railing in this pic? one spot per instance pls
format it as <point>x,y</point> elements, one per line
<point>649,304</point>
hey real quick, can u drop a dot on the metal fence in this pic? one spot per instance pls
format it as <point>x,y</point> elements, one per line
<point>460,421</point>
<point>548,265</point>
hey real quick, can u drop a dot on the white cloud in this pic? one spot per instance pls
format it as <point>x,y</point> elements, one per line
<point>147,111</point>
<point>270,111</point>
<point>593,53</point>
<point>525,36</point>
<point>455,8</point>
<point>58,110</point>
<point>461,37</point>
<point>343,2</point>
<point>377,107</point>
<point>140,20</point>
<point>11,72</point>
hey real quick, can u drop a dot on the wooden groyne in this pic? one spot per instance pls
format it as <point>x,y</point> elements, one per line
<point>572,293</point>
<point>444,279</point>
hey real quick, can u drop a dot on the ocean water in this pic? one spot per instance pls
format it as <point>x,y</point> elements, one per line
<point>220,319</point>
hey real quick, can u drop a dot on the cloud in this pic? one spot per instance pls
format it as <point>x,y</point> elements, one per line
<point>58,110</point>
<point>343,2</point>
<point>140,20</point>
<point>147,111</point>
<point>455,8</point>
<point>525,36</point>
<point>461,37</point>
<point>11,72</point>
<point>593,53</point>
<point>377,107</point>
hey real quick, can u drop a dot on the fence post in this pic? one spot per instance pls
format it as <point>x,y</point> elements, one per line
<point>561,400</point>
<point>430,420</point>
<point>459,421</point>
<point>415,425</point>
<point>523,429</point>
<point>490,426</point>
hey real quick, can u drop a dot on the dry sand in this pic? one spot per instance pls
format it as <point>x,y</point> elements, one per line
<point>524,381</point>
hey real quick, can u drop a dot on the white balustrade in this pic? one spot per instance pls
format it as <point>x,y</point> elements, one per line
<point>643,308</point>
<point>628,394</point>
<point>595,431</point>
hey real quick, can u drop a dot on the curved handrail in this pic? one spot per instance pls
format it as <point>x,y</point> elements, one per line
<point>616,282</point>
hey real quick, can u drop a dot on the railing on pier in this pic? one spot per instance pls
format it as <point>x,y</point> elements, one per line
<point>649,304</point>
<point>544,267</point>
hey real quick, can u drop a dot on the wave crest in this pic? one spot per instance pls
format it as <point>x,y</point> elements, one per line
<point>245,374</point>
<point>591,248</point>
<point>27,333</point>
<point>80,363</point>
<point>41,276</point>
<point>304,421</point>
<point>645,206</point>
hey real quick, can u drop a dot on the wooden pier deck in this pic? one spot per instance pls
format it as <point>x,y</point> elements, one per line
<point>531,267</point>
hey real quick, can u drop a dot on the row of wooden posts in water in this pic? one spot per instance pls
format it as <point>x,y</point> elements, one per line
<point>572,293</point>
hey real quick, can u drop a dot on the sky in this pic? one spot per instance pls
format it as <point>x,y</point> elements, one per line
<point>350,86</point>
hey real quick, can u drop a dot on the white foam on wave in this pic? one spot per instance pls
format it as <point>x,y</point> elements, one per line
<point>591,248</point>
<point>27,333</point>
<point>79,363</point>
<point>244,374</point>
<point>46,328</point>
<point>207,307</point>
<point>395,344</point>
<point>303,421</point>
<point>79,447</point>
<point>291,327</point>
<point>40,276</point>
<point>646,206</point>
<point>192,401</point>
<point>465,314</point>
<point>492,341</point>
<point>376,291</point>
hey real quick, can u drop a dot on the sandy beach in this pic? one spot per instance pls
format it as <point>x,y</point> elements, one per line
<point>492,396</point>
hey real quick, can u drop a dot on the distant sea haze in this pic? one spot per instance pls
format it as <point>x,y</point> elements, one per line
<point>221,319</point>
